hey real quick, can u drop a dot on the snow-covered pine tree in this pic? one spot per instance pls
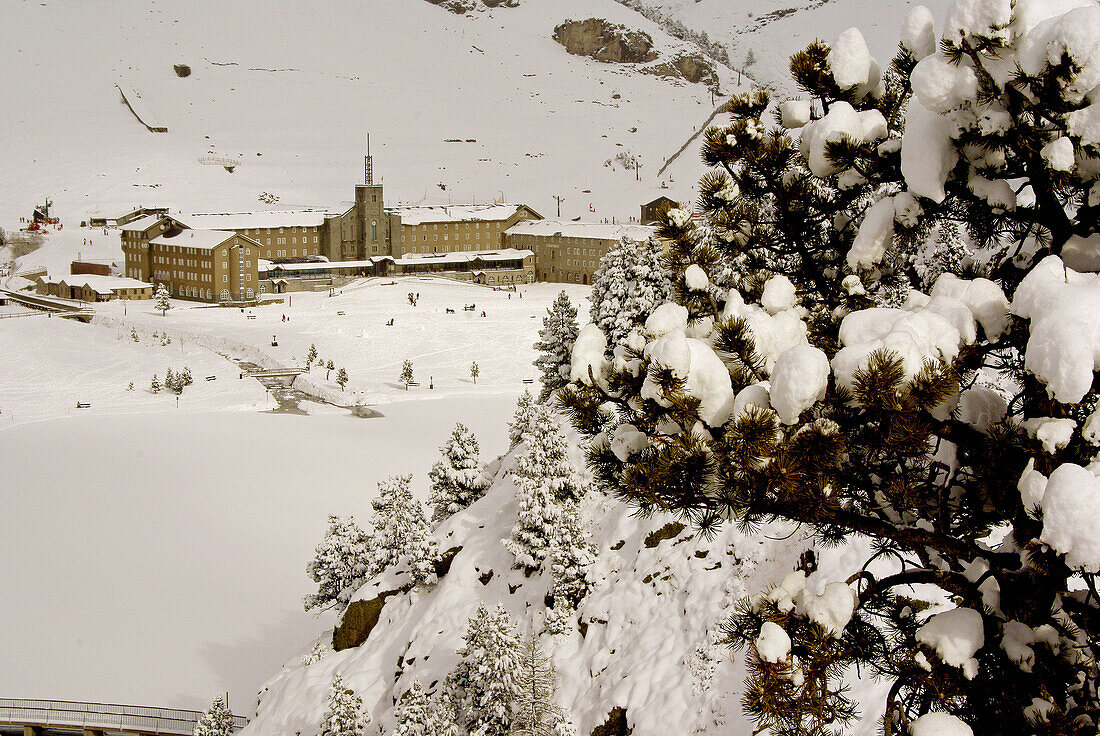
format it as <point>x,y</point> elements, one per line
<point>329,367</point>
<point>341,378</point>
<point>345,715</point>
<point>134,335</point>
<point>343,560</point>
<point>454,478</point>
<point>570,555</point>
<point>402,532</point>
<point>311,355</point>
<point>162,300</point>
<point>536,714</point>
<point>185,376</point>
<point>170,382</point>
<point>217,721</point>
<point>414,713</point>
<point>628,284</point>
<point>875,422</point>
<point>556,338</point>
<point>406,376</point>
<point>474,371</point>
<point>545,479</point>
<point>521,419</point>
<point>154,386</point>
<point>321,649</point>
<point>482,685</point>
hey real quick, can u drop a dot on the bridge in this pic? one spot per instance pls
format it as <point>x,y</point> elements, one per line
<point>65,718</point>
<point>62,307</point>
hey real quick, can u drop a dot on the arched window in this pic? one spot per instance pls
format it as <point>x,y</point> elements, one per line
<point>225,295</point>
<point>374,230</point>
<point>249,293</point>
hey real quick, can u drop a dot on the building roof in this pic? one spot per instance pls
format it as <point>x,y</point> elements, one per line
<point>255,220</point>
<point>101,284</point>
<point>143,223</point>
<point>201,239</point>
<point>421,214</point>
<point>505,254</point>
<point>592,230</point>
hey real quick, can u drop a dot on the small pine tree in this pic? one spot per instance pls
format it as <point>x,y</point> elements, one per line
<point>185,376</point>
<point>414,713</point>
<point>521,420</point>
<point>345,715</point>
<point>406,376</point>
<point>556,338</point>
<point>134,335</point>
<point>329,368</point>
<point>402,531</point>
<point>474,371</point>
<point>483,683</point>
<point>170,381</point>
<point>311,355</point>
<point>342,378</point>
<point>630,282</point>
<point>321,649</point>
<point>533,706</point>
<point>454,478</point>
<point>570,555</point>
<point>130,386</point>
<point>162,299</point>
<point>342,561</point>
<point>217,721</point>
<point>155,385</point>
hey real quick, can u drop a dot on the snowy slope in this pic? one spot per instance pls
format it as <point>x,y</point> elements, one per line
<point>290,89</point>
<point>651,643</point>
<point>771,30</point>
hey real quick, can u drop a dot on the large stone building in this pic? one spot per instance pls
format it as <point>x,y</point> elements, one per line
<point>570,252</point>
<point>237,256</point>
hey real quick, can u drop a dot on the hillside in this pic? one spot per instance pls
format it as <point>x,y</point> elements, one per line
<point>459,107</point>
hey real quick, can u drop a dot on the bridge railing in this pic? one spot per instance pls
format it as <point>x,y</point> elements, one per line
<point>102,716</point>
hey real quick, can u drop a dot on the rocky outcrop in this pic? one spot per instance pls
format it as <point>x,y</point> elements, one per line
<point>461,7</point>
<point>693,68</point>
<point>615,725</point>
<point>605,41</point>
<point>358,621</point>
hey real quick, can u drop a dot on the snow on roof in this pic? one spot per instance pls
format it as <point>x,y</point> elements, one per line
<point>591,230</point>
<point>203,239</point>
<point>418,215</point>
<point>102,284</point>
<point>506,254</point>
<point>143,223</point>
<point>255,220</point>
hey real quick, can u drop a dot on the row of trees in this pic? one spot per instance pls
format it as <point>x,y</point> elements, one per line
<point>174,381</point>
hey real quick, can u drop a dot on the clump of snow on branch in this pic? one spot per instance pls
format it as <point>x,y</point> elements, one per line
<point>955,635</point>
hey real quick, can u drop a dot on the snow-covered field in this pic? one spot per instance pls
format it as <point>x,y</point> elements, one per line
<point>157,554</point>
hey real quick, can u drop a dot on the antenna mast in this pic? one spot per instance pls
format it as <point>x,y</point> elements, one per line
<point>368,172</point>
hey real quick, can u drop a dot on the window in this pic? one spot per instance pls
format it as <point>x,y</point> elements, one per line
<point>373,230</point>
<point>269,241</point>
<point>294,239</point>
<point>248,277</point>
<point>224,278</point>
<point>223,253</point>
<point>225,264</point>
<point>248,251</point>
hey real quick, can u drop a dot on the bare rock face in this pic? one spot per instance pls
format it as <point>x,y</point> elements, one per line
<point>461,7</point>
<point>605,41</point>
<point>690,67</point>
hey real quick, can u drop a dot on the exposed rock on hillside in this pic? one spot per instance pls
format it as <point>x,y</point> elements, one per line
<point>464,6</point>
<point>691,67</point>
<point>605,41</point>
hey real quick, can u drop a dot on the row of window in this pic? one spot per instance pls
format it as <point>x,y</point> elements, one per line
<point>293,241</point>
<point>446,236</point>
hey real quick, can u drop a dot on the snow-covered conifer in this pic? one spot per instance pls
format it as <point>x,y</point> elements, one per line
<point>185,376</point>
<point>217,721</point>
<point>474,371</point>
<point>406,376</point>
<point>134,335</point>
<point>629,283</point>
<point>342,561</point>
<point>415,713</point>
<point>162,300</point>
<point>402,531</point>
<point>311,355</point>
<point>483,683</point>
<point>345,715</point>
<point>454,477</point>
<point>170,382</point>
<point>535,713</point>
<point>536,520</point>
<point>321,649</point>
<point>329,367</point>
<point>342,378</point>
<point>570,555</point>
<point>154,386</point>
<point>521,419</point>
<point>556,338</point>
<point>789,397</point>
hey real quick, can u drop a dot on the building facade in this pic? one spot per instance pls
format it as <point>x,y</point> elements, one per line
<point>93,288</point>
<point>570,252</point>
